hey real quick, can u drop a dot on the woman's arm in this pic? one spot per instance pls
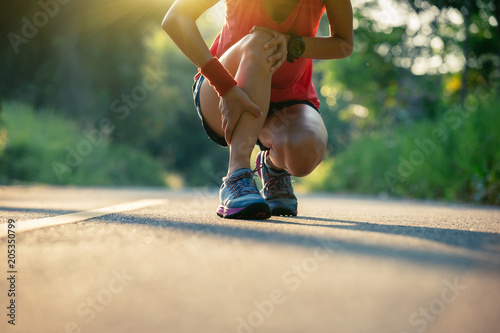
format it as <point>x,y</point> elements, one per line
<point>341,40</point>
<point>180,25</point>
<point>337,46</point>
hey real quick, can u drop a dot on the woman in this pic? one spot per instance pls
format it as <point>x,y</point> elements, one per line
<point>254,86</point>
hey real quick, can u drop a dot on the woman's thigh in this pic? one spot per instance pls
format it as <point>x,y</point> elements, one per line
<point>296,121</point>
<point>209,100</point>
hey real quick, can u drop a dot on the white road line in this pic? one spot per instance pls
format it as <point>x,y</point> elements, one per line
<point>22,226</point>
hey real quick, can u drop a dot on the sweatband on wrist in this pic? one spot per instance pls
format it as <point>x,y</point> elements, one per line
<point>218,76</point>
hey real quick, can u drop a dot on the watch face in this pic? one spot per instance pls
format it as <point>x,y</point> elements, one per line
<point>297,47</point>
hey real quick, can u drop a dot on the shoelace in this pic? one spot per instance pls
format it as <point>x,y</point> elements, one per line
<point>242,184</point>
<point>279,186</point>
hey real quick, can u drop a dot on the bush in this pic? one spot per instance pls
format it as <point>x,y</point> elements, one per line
<point>43,147</point>
<point>454,158</point>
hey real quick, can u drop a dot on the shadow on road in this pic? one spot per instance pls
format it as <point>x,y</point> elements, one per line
<point>481,248</point>
<point>471,240</point>
<point>467,248</point>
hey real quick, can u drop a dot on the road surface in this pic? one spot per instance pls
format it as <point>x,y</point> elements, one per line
<point>147,260</point>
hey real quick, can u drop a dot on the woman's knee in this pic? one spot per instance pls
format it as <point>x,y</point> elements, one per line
<point>304,151</point>
<point>252,46</point>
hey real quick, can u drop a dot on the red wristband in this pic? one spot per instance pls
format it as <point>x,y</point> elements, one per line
<point>218,76</point>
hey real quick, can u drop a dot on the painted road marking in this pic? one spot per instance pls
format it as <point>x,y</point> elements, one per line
<point>45,222</point>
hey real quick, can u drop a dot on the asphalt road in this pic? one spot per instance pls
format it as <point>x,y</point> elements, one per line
<point>142,260</point>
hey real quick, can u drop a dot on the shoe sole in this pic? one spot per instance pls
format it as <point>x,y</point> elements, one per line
<point>256,211</point>
<point>282,211</point>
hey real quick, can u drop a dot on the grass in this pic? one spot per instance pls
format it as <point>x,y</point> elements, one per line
<point>40,146</point>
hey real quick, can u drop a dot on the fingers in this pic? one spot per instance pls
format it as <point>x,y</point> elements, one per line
<point>278,58</point>
<point>228,132</point>
<point>223,123</point>
<point>277,37</point>
<point>276,40</point>
<point>254,109</point>
<point>278,64</point>
<point>279,41</point>
<point>258,27</point>
<point>227,127</point>
<point>232,106</point>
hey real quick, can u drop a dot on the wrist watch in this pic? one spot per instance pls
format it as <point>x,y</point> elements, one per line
<point>296,48</point>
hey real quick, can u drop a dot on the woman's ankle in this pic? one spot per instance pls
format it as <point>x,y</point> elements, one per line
<point>236,167</point>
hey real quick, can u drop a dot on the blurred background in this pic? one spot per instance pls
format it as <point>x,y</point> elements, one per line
<point>95,93</point>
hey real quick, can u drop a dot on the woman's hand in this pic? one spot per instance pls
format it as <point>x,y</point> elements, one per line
<point>280,40</point>
<point>232,105</point>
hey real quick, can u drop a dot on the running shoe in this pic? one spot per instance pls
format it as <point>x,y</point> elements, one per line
<point>276,188</point>
<point>240,198</point>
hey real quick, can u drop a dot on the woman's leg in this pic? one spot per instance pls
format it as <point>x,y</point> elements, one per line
<point>297,139</point>
<point>247,62</point>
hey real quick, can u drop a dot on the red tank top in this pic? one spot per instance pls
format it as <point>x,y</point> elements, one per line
<point>291,81</point>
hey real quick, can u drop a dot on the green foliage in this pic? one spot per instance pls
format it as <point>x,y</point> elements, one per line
<point>455,157</point>
<point>43,147</point>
